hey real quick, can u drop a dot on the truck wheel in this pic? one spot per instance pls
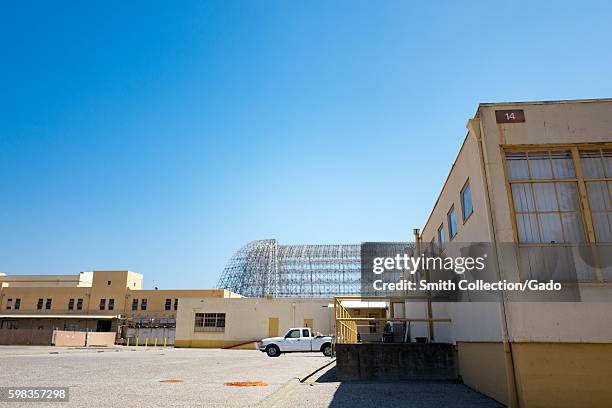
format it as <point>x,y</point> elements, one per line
<point>273,351</point>
<point>327,350</point>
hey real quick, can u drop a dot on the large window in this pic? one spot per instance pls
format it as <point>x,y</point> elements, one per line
<point>597,172</point>
<point>452,223</point>
<point>466,202</point>
<point>214,322</point>
<point>545,195</point>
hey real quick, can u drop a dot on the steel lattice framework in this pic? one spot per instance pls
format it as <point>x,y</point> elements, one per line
<point>263,268</point>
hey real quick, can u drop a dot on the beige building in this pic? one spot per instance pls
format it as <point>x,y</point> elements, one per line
<point>95,301</point>
<point>242,322</point>
<point>533,176</point>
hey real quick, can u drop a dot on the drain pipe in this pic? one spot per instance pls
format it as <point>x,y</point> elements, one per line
<point>418,239</point>
<point>475,127</point>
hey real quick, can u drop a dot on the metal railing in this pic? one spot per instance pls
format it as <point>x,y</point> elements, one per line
<point>346,326</point>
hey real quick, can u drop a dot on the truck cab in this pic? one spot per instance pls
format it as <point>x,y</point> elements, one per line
<point>296,340</point>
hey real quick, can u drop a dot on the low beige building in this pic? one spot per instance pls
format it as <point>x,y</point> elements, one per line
<point>535,176</point>
<point>240,322</point>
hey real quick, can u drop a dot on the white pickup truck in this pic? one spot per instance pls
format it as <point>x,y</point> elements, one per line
<point>299,339</point>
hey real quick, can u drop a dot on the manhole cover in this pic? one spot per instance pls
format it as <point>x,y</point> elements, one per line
<point>246,384</point>
<point>171,380</point>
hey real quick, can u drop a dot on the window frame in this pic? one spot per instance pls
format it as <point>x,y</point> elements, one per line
<point>209,322</point>
<point>461,195</point>
<point>584,205</point>
<point>448,220</point>
<point>441,237</point>
<point>584,208</point>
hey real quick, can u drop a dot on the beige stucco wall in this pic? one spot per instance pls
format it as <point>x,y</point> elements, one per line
<point>561,350</point>
<point>563,374</point>
<point>482,366</point>
<point>247,319</point>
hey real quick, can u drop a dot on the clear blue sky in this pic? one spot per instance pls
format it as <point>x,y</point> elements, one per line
<point>162,137</point>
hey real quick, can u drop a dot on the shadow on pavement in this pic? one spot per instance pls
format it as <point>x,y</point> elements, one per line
<point>412,394</point>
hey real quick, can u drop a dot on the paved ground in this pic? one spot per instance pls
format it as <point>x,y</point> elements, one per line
<point>323,390</point>
<point>123,378</point>
<point>129,377</point>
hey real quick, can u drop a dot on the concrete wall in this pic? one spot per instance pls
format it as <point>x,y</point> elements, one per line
<point>563,374</point>
<point>395,361</point>
<point>25,337</point>
<point>482,367</point>
<point>248,319</point>
<point>63,338</point>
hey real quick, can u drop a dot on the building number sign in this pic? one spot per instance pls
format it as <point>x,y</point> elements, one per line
<point>510,116</point>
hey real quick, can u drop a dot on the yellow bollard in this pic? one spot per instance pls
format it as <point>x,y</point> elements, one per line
<point>128,342</point>
<point>136,341</point>
<point>164,342</point>
<point>146,342</point>
<point>155,342</point>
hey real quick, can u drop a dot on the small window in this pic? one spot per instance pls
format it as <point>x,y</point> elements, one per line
<point>39,305</point>
<point>441,237</point>
<point>108,283</point>
<point>102,304</point>
<point>452,223</point>
<point>17,303</point>
<point>168,304</point>
<point>466,202</point>
<point>111,304</point>
<point>9,304</point>
<point>293,334</point>
<point>143,304</point>
<point>80,304</point>
<point>134,304</point>
<point>305,333</point>
<point>209,322</point>
<point>48,304</point>
<point>71,304</point>
<point>175,304</point>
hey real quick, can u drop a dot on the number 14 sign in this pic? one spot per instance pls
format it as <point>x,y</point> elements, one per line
<point>510,116</point>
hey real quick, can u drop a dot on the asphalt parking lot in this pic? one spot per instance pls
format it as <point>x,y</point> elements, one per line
<point>120,377</point>
<point>130,377</point>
